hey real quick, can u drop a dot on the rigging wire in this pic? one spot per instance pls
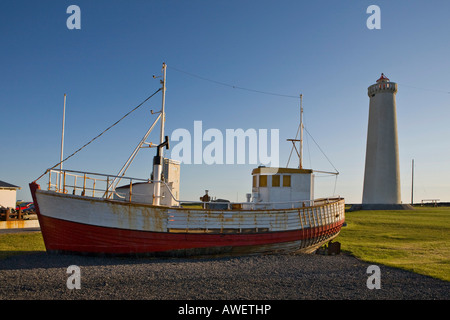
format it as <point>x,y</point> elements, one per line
<point>309,152</point>
<point>335,183</point>
<point>426,89</point>
<point>232,86</point>
<point>321,150</point>
<point>115,123</point>
<point>272,93</point>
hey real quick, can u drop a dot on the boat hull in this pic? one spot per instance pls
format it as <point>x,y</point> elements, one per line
<point>86,225</point>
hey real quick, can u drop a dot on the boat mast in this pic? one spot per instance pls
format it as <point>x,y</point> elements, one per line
<point>158,159</point>
<point>299,152</point>
<point>163,114</point>
<point>62,144</point>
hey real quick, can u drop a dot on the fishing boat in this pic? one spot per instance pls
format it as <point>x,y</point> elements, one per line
<point>89,213</point>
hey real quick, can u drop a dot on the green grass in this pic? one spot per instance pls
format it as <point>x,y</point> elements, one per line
<point>415,240</point>
<point>20,243</point>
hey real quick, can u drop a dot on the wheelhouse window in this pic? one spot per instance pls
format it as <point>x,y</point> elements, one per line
<point>263,181</point>
<point>286,181</point>
<point>275,180</point>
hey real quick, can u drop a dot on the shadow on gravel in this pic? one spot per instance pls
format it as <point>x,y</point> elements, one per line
<point>25,260</point>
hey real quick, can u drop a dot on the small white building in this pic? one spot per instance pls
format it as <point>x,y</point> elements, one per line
<point>284,187</point>
<point>8,194</point>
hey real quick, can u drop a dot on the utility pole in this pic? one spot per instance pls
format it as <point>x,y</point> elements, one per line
<point>412,182</point>
<point>301,133</point>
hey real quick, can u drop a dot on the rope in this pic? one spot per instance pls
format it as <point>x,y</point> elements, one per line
<point>92,140</point>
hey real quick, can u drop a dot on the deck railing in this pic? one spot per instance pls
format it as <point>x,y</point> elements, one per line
<point>99,185</point>
<point>91,184</point>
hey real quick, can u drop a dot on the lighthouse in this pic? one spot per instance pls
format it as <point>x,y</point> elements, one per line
<point>382,173</point>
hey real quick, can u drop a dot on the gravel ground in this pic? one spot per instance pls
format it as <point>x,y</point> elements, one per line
<point>268,277</point>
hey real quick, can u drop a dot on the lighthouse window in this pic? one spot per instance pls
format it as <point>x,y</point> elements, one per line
<point>287,181</point>
<point>263,181</point>
<point>275,181</point>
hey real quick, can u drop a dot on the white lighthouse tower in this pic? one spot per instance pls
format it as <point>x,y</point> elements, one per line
<point>382,173</point>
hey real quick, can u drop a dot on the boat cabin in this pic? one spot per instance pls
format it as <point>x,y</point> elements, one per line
<point>282,187</point>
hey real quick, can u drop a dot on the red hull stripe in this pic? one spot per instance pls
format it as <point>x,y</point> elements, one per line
<point>61,235</point>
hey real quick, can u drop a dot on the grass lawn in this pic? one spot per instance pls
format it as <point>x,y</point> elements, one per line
<point>416,240</point>
<point>20,243</point>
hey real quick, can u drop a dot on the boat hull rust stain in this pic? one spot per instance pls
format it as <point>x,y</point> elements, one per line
<point>100,226</point>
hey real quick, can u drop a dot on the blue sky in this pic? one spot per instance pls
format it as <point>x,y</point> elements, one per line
<point>321,49</point>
